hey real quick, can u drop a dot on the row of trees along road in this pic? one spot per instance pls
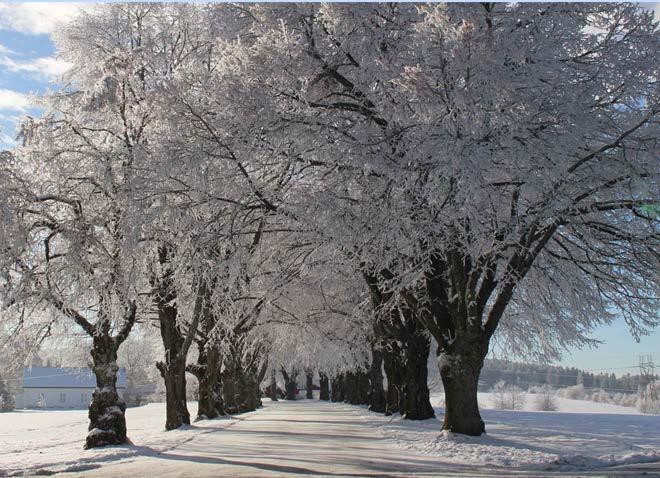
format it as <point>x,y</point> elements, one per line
<point>480,174</point>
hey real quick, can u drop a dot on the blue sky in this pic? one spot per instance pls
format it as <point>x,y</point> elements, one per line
<point>27,58</point>
<point>618,353</point>
<point>28,64</point>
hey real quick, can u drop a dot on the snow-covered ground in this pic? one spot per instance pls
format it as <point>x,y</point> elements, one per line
<point>487,400</point>
<point>53,439</point>
<point>580,435</point>
<point>319,438</point>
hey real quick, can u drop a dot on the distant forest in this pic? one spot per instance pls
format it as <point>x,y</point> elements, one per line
<point>527,375</point>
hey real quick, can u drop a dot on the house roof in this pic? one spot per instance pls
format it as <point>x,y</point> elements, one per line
<point>53,377</point>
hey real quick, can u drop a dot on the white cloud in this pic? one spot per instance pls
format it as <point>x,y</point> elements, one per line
<point>13,100</point>
<point>5,51</point>
<point>46,67</point>
<point>35,18</point>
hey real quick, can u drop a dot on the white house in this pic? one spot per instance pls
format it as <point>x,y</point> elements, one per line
<point>69,388</point>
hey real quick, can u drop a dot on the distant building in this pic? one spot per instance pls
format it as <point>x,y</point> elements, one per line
<point>67,388</point>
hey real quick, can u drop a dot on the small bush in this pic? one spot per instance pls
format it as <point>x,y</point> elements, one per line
<point>576,392</point>
<point>537,388</point>
<point>601,396</point>
<point>625,399</point>
<point>546,401</point>
<point>508,397</point>
<point>646,405</point>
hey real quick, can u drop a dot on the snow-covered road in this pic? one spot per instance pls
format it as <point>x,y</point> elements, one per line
<point>312,438</point>
<point>283,439</point>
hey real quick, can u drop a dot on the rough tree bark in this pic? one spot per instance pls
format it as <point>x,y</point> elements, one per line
<point>362,387</point>
<point>338,388</point>
<point>460,371</point>
<point>173,368</point>
<point>460,359</point>
<point>206,370</point>
<point>107,422</point>
<point>415,401</point>
<point>377,401</point>
<point>230,386</point>
<point>173,374</point>
<point>398,326</point>
<point>309,384</point>
<point>260,378</point>
<point>349,387</point>
<point>324,387</point>
<point>254,375</point>
<point>355,387</point>
<point>241,380</point>
<point>290,383</point>
<point>394,371</point>
<point>273,385</point>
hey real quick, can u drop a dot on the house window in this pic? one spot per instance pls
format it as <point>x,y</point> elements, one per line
<point>62,397</point>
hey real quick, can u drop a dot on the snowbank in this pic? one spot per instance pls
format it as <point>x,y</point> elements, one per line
<point>581,435</point>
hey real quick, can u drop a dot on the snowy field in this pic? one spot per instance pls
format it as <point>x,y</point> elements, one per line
<point>583,438</point>
<point>580,435</point>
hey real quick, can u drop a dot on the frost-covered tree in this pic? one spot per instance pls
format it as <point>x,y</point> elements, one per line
<point>81,262</point>
<point>136,65</point>
<point>317,324</point>
<point>490,169</point>
<point>81,165</point>
<point>495,164</point>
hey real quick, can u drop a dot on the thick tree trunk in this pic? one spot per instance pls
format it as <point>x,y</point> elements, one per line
<point>107,422</point>
<point>208,403</point>
<point>254,400</point>
<point>208,358</point>
<point>338,388</point>
<point>394,372</point>
<point>206,372</point>
<point>174,376</point>
<point>309,385</point>
<point>415,401</point>
<point>173,368</point>
<point>460,377</point>
<point>273,386</point>
<point>356,388</point>
<point>377,401</point>
<point>324,387</point>
<point>251,399</point>
<point>230,393</point>
<point>260,378</point>
<point>290,384</point>
<point>348,387</point>
<point>363,387</point>
<point>241,386</point>
<point>246,399</point>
